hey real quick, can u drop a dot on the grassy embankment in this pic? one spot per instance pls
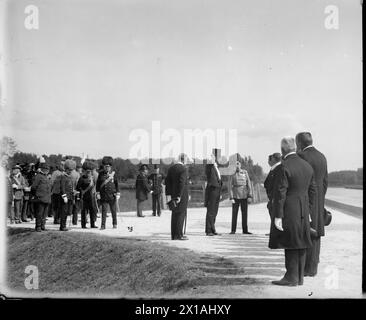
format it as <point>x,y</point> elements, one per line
<point>80,263</point>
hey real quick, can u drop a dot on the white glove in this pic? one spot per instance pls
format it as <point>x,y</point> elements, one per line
<point>168,198</point>
<point>189,197</point>
<point>118,195</point>
<point>15,186</point>
<point>278,223</point>
<point>65,199</point>
<point>232,200</point>
<point>98,195</point>
<point>178,199</point>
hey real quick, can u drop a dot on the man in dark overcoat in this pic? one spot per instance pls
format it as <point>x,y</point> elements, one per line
<point>177,191</point>
<point>318,162</point>
<point>212,194</point>
<point>143,188</point>
<point>294,194</point>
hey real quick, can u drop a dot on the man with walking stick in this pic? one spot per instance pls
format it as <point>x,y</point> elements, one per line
<point>177,196</point>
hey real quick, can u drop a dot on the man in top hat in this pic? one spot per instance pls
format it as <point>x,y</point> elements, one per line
<point>156,179</point>
<point>212,194</point>
<point>108,191</point>
<point>18,184</point>
<point>293,199</point>
<point>86,187</point>
<point>240,193</point>
<point>142,188</point>
<point>67,193</point>
<point>318,162</point>
<point>41,189</point>
<point>177,196</point>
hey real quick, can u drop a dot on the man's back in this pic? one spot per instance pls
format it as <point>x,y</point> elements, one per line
<point>176,181</point>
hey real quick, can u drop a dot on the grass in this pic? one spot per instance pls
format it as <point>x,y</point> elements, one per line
<point>83,264</point>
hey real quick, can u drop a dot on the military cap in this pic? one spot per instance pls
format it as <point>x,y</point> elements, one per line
<point>44,165</point>
<point>88,165</point>
<point>17,166</point>
<point>107,161</point>
<point>70,164</point>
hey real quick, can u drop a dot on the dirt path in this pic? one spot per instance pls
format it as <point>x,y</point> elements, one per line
<point>340,270</point>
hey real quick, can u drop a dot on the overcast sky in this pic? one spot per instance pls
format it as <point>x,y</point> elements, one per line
<point>96,70</point>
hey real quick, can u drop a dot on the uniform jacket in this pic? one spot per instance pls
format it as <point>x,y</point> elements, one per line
<point>55,181</point>
<point>41,188</point>
<point>240,185</point>
<point>213,181</point>
<point>176,185</point>
<point>294,196</point>
<point>156,181</point>
<point>142,187</point>
<point>66,186</point>
<point>20,181</point>
<point>109,190</point>
<point>10,190</point>
<point>86,193</point>
<point>319,164</point>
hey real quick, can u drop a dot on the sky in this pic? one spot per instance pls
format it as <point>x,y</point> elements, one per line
<point>96,71</point>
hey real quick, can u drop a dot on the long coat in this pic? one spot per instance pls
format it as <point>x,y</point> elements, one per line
<point>293,200</point>
<point>269,184</point>
<point>319,164</point>
<point>41,188</point>
<point>142,187</point>
<point>176,183</point>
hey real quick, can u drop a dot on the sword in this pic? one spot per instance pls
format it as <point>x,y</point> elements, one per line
<point>185,222</point>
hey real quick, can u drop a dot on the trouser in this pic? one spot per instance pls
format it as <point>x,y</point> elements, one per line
<point>10,211</point>
<point>25,209</point>
<point>75,212</point>
<point>156,203</point>
<point>112,206</point>
<point>17,209</point>
<point>243,203</point>
<point>31,210</point>
<point>295,265</point>
<point>66,210</point>
<point>177,222</point>
<point>312,257</point>
<point>88,207</point>
<point>41,214</point>
<point>212,208</point>
<point>139,207</point>
<point>56,203</point>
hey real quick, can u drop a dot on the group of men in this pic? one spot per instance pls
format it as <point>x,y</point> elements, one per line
<point>296,186</point>
<point>70,189</point>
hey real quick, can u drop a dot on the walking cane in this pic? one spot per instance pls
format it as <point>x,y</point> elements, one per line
<point>185,223</point>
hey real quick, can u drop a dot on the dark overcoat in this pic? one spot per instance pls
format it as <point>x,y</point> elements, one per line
<point>176,183</point>
<point>142,187</point>
<point>319,164</point>
<point>269,183</point>
<point>294,195</point>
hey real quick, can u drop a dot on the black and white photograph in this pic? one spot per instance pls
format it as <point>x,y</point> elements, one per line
<point>181,150</point>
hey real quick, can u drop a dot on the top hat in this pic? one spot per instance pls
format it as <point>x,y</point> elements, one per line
<point>107,161</point>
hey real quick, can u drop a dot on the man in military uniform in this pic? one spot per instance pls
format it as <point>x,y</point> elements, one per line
<point>156,180</point>
<point>67,193</point>
<point>86,187</point>
<point>75,175</point>
<point>56,200</point>
<point>240,193</point>
<point>41,189</point>
<point>274,161</point>
<point>18,184</point>
<point>108,191</point>
<point>318,162</point>
<point>142,189</point>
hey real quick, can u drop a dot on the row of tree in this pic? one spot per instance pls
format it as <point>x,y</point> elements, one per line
<point>346,178</point>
